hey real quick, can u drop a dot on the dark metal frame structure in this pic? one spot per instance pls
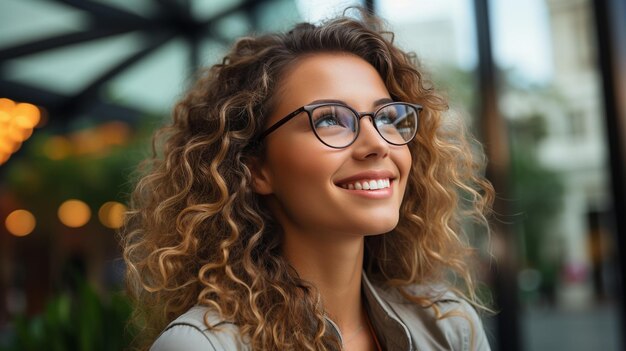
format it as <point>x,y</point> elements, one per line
<point>610,19</point>
<point>173,20</point>
<point>493,132</point>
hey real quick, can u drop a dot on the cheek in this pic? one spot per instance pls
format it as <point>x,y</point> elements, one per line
<point>300,164</point>
<point>403,160</point>
<point>302,182</point>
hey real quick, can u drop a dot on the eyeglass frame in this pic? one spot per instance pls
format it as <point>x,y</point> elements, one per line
<point>309,110</point>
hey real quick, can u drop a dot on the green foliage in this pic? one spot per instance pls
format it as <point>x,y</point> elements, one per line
<point>82,322</point>
<point>538,194</point>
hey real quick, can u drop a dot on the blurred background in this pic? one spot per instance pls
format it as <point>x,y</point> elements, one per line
<point>84,83</point>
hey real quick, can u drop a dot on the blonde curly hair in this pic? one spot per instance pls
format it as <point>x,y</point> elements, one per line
<point>198,234</point>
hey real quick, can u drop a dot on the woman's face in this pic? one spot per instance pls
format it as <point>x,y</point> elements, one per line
<point>308,183</point>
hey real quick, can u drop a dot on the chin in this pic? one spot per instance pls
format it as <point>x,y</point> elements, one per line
<point>381,227</point>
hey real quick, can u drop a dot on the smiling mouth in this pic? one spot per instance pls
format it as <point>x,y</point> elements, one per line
<point>370,184</point>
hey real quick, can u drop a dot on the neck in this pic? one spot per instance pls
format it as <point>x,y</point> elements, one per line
<point>334,266</point>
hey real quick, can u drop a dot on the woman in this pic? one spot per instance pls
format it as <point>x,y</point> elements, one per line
<point>296,205</point>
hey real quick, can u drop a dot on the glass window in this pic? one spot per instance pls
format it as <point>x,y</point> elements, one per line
<point>551,99</point>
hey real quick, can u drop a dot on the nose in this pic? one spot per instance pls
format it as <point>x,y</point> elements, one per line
<point>369,143</point>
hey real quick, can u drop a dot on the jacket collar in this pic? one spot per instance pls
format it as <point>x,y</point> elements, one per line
<point>390,330</point>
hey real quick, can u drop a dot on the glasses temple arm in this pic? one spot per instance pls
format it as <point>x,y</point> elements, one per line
<point>280,123</point>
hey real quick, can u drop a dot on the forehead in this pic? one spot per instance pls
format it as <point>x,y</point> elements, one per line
<point>337,76</point>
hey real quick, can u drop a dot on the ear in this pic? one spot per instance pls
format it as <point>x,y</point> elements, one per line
<point>261,180</point>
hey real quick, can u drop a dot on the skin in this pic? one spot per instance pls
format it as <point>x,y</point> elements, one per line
<point>324,224</point>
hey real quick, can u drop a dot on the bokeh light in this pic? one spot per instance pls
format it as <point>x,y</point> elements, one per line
<point>29,112</point>
<point>115,132</point>
<point>20,222</point>
<point>74,213</point>
<point>6,104</point>
<point>17,121</point>
<point>111,214</point>
<point>57,147</point>
<point>95,141</point>
<point>5,119</point>
<point>8,145</point>
<point>20,129</point>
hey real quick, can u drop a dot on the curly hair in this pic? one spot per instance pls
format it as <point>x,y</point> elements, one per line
<point>198,234</point>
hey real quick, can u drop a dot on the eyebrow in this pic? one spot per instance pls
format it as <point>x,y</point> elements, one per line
<point>323,101</point>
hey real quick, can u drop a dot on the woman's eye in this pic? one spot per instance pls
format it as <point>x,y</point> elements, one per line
<point>385,119</point>
<point>327,120</point>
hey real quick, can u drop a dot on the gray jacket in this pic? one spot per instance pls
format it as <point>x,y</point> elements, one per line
<point>399,324</point>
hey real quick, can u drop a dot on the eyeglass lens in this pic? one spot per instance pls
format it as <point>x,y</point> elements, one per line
<point>337,125</point>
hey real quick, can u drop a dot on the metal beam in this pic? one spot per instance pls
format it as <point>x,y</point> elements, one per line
<point>59,119</point>
<point>99,11</point>
<point>109,21</point>
<point>610,18</point>
<point>494,136</point>
<point>60,41</point>
<point>182,11</point>
<point>26,93</point>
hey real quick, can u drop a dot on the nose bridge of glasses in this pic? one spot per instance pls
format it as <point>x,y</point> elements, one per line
<point>363,114</point>
<point>371,116</point>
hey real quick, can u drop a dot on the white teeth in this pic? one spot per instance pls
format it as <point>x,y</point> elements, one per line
<point>373,184</point>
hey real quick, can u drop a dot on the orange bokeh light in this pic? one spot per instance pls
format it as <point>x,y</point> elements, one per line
<point>57,148</point>
<point>111,214</point>
<point>5,119</point>
<point>8,145</point>
<point>20,129</point>
<point>29,111</point>
<point>17,121</point>
<point>74,213</point>
<point>6,105</point>
<point>20,223</point>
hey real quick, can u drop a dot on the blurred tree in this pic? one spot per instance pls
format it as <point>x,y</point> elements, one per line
<point>538,194</point>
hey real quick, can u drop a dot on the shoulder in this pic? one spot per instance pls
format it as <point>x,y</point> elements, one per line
<point>448,321</point>
<point>189,332</point>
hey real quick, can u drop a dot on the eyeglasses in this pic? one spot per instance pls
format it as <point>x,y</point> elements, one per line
<point>337,125</point>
